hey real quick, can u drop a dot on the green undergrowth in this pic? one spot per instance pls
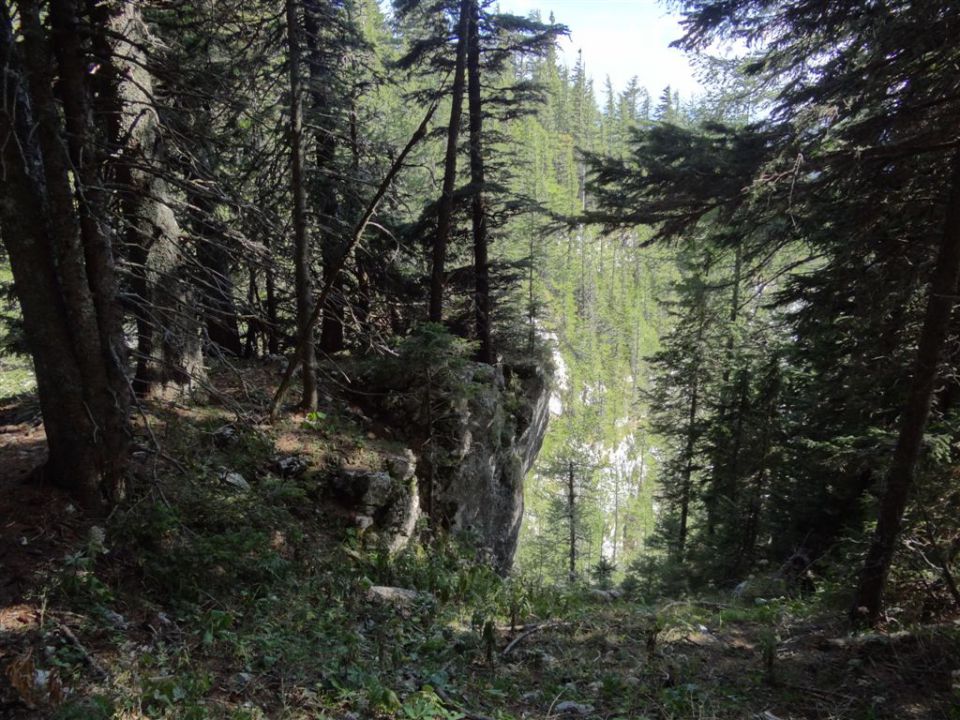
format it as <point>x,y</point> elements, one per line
<point>201,599</point>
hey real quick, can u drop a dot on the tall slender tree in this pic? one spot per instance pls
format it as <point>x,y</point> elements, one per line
<point>446,204</point>
<point>301,233</point>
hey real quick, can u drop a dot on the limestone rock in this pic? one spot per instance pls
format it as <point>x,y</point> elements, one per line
<point>392,595</point>
<point>385,502</point>
<point>289,466</point>
<point>498,434</point>
<point>235,479</point>
<point>571,708</point>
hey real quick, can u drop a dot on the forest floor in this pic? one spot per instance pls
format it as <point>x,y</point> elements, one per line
<point>205,597</point>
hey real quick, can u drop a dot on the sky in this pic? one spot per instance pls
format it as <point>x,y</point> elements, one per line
<point>619,38</point>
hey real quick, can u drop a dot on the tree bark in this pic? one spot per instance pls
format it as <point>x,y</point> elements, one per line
<point>686,488</point>
<point>61,261</point>
<point>445,207</point>
<point>901,474</point>
<point>216,281</point>
<point>478,182</point>
<point>572,508</point>
<point>169,350</point>
<point>304,290</point>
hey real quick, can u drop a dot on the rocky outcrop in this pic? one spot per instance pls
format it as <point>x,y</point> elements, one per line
<point>386,503</point>
<point>476,430</point>
<point>498,432</point>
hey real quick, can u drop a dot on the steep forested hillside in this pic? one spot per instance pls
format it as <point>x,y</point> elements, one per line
<point>373,360</point>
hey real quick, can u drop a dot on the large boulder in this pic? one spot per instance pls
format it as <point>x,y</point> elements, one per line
<point>497,433</point>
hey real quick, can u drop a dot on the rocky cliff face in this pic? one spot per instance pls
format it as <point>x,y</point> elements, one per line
<point>472,454</point>
<point>498,434</point>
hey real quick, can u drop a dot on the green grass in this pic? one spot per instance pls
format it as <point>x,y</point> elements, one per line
<point>16,377</point>
<point>16,371</point>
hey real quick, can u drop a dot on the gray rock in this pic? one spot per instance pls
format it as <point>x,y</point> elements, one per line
<point>740,590</point>
<point>116,619</point>
<point>402,467</point>
<point>235,479</point>
<point>498,432</point>
<point>547,660</point>
<point>226,435</point>
<point>386,503</point>
<point>240,681</point>
<point>290,466</point>
<point>572,708</point>
<point>392,595</point>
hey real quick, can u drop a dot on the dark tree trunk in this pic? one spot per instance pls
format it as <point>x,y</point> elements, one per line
<point>331,327</point>
<point>365,285</point>
<point>61,262</point>
<point>477,181</point>
<point>273,320</point>
<point>686,486</point>
<point>900,476</point>
<point>254,320</point>
<point>445,207</point>
<point>216,281</point>
<point>301,260</point>
<point>725,478</point>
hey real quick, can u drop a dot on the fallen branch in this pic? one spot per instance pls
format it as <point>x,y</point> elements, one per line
<point>881,640</point>
<point>338,266</point>
<point>528,633</point>
<point>90,659</point>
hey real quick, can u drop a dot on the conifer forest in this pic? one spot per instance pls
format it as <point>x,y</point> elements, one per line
<point>374,359</point>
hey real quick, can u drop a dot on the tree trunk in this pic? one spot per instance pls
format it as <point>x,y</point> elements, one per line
<point>445,207</point>
<point>273,318</point>
<point>301,260</point>
<point>216,280</point>
<point>477,181</point>
<point>324,190</point>
<point>572,507</point>
<point>686,488</point>
<point>61,262</point>
<point>169,342</point>
<point>900,476</point>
